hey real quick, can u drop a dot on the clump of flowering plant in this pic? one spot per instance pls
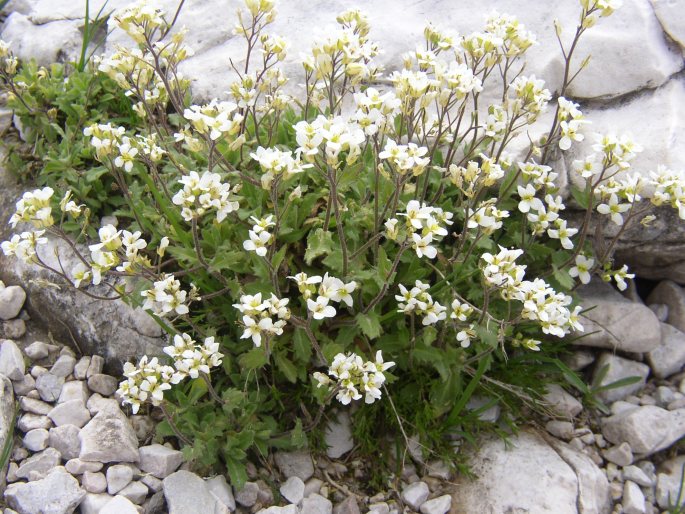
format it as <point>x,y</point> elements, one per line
<point>375,244</point>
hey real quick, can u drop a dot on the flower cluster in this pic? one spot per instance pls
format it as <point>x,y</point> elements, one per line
<point>146,382</point>
<point>375,111</point>
<point>350,376</point>
<point>418,300</point>
<point>166,296</point>
<point>106,139</point>
<point>409,158</point>
<point>34,207</point>
<point>258,316</point>
<point>424,225</point>
<point>669,188</point>
<point>570,121</point>
<point>329,289</point>
<point>337,135</point>
<point>277,163</point>
<point>475,175</point>
<point>217,120</point>
<point>24,245</point>
<point>260,237</point>
<point>486,217</point>
<point>191,359</point>
<point>531,97</point>
<point>203,193</point>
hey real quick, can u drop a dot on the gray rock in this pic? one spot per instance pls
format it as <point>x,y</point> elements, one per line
<point>66,439</point>
<point>49,386</point>
<point>316,504</point>
<point>57,493</point>
<point>35,406</point>
<point>661,311</point>
<point>439,505</point>
<point>119,505</point>
<point>247,496</point>
<point>621,455</point>
<point>489,414</point>
<point>36,440</point>
<point>6,415</point>
<point>11,360</point>
<point>155,484</point>
<point>118,477</point>
<point>348,506</point>
<point>293,490</point>
<point>669,482</point>
<point>313,485</point>
<point>509,478</point>
<point>561,429</point>
<point>94,503</point>
<point>562,403</point>
<point>186,492</point>
<point>288,509</point>
<point>39,464</point>
<point>672,295</point>
<point>219,487</point>
<point>12,299</point>
<point>415,494</point>
<point>94,482</point>
<point>616,323</point>
<point>159,460</point>
<point>109,437</point>
<point>611,368</point>
<point>136,492</point>
<point>156,504</point>
<point>37,350</point>
<point>24,386</point>
<point>28,422</point>
<point>579,359</point>
<point>664,396</point>
<point>74,390</point>
<point>295,464</point>
<point>669,357</point>
<point>103,384</point>
<point>13,329</point>
<point>72,412</point>
<point>646,429</point>
<point>338,436</point>
<point>81,368</point>
<point>97,363</point>
<point>96,403</point>
<point>79,467</point>
<point>633,500</point>
<point>63,366</point>
<point>635,474</point>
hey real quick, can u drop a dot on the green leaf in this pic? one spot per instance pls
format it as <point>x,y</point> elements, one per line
<point>370,324</point>
<point>297,437</point>
<point>319,243</point>
<point>236,472</point>
<point>302,345</point>
<point>330,350</point>
<point>278,257</point>
<point>582,196</point>
<point>286,367</point>
<point>254,359</point>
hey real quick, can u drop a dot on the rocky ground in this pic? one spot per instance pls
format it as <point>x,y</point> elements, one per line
<point>73,449</point>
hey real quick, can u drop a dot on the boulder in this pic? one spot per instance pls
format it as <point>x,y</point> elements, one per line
<point>669,357</point>
<point>186,492</point>
<point>672,295</point>
<point>614,322</point>
<point>510,478</point>
<point>610,368</point>
<point>109,437</point>
<point>647,429</point>
<point>57,493</point>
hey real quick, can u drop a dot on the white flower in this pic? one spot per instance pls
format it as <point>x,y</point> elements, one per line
<point>562,233</point>
<point>582,268</point>
<point>465,336</point>
<point>203,193</point>
<point>422,246</point>
<point>614,209</point>
<point>320,308</point>
<point>257,243</point>
<point>528,199</point>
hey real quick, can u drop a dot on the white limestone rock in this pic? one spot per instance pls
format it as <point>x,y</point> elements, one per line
<point>37,350</point>
<point>94,503</point>
<point>669,482</point>
<point>57,493</point>
<point>49,386</point>
<point>63,366</point>
<point>118,477</point>
<point>12,299</point>
<point>11,360</point>
<point>633,499</point>
<point>293,490</point>
<point>647,429</point>
<point>439,505</point>
<point>119,505</point>
<point>109,437</point>
<point>94,482</point>
<point>65,438</point>
<point>36,440</point>
<point>669,357</point>
<point>561,402</point>
<point>77,466</point>
<point>72,412</point>
<point>316,504</point>
<point>30,421</point>
<point>40,464</point>
<point>218,487</point>
<point>186,492</point>
<point>297,464</point>
<point>59,41</point>
<point>616,323</point>
<point>670,15</point>
<point>415,494</point>
<point>35,406</point>
<point>136,492</point>
<point>247,496</point>
<point>338,436</point>
<point>74,390</point>
<point>103,384</point>
<point>672,295</point>
<point>610,368</point>
<point>159,460</point>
